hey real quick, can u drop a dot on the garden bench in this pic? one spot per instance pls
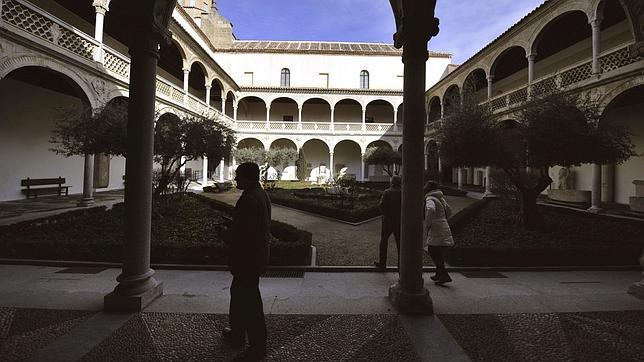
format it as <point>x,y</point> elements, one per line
<point>50,190</point>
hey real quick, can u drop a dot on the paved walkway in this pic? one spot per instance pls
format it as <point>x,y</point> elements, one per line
<point>338,243</point>
<point>50,313</point>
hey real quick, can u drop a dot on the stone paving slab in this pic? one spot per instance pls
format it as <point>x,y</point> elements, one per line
<point>593,336</point>
<point>196,337</point>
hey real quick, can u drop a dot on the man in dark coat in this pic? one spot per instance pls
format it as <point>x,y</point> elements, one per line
<point>249,253</point>
<point>390,206</point>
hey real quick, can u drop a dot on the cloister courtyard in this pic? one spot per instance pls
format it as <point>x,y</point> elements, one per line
<point>122,125</point>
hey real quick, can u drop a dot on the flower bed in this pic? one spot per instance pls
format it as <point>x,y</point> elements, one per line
<point>186,228</point>
<point>362,207</point>
<point>488,237</point>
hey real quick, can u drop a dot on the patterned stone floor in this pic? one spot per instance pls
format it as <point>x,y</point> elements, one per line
<point>598,336</point>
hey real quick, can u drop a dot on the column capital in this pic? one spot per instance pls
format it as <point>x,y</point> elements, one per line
<point>186,70</point>
<point>208,86</point>
<point>532,56</point>
<point>490,77</point>
<point>596,22</point>
<point>101,6</point>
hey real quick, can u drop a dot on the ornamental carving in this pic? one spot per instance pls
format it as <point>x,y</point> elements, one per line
<point>99,87</point>
<point>55,32</point>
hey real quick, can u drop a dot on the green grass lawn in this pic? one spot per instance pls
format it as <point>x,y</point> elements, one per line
<point>294,185</point>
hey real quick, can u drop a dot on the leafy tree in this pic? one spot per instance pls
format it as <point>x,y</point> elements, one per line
<point>554,130</point>
<point>86,131</point>
<point>301,166</point>
<point>384,156</point>
<point>250,154</point>
<point>280,156</point>
<point>178,140</point>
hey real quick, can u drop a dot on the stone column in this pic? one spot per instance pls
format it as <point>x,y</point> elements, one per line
<point>362,175</point>
<point>332,119</point>
<point>490,82</point>
<point>221,170</point>
<point>223,103</point>
<point>409,294</point>
<point>460,177</point>
<point>470,176</point>
<point>101,7</point>
<point>234,112</point>
<point>299,117</point>
<point>186,83</point>
<point>395,119</point>
<point>88,182</point>
<point>331,164</point>
<point>596,196</point>
<point>426,158</point>
<point>608,183</point>
<point>364,119</point>
<point>204,168</point>
<point>208,94</point>
<point>531,60</point>
<point>137,287</point>
<point>595,24</point>
<point>268,117</point>
<point>637,289</point>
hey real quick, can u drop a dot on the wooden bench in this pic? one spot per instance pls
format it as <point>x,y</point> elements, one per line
<point>58,189</point>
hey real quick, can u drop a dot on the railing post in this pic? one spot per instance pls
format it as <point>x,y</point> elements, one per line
<point>101,7</point>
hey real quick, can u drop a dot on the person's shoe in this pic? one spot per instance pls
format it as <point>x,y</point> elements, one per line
<point>231,339</point>
<point>379,265</point>
<point>251,354</point>
<point>434,277</point>
<point>445,278</point>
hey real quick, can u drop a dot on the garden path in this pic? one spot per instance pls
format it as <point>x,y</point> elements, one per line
<point>338,243</point>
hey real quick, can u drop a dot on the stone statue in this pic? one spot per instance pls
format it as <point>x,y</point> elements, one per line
<point>566,179</point>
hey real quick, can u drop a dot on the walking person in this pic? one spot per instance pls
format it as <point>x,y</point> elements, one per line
<point>249,245</point>
<point>438,235</point>
<point>390,207</point>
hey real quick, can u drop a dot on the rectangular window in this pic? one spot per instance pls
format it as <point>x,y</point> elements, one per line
<point>249,79</point>
<point>324,80</point>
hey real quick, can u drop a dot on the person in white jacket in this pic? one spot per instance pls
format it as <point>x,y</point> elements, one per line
<point>438,235</point>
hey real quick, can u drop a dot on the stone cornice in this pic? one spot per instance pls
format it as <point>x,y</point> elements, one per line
<point>314,90</point>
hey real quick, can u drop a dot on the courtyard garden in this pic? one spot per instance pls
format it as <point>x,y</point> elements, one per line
<point>486,235</point>
<point>186,229</point>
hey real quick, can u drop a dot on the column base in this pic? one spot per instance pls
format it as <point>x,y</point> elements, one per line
<point>489,194</point>
<point>408,303</point>
<point>637,289</point>
<point>114,302</point>
<point>595,210</point>
<point>86,202</point>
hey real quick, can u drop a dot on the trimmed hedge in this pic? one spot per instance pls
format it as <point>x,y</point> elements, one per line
<point>485,235</point>
<point>365,207</point>
<point>185,229</point>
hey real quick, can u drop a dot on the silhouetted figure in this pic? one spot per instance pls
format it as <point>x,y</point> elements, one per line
<point>390,206</point>
<point>438,234</point>
<point>249,254</point>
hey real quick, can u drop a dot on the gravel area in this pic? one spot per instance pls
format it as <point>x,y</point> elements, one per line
<point>192,337</point>
<point>339,243</point>
<point>596,336</point>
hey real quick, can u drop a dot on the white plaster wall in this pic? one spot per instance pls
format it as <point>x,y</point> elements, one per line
<point>117,170</point>
<point>344,70</point>
<point>25,128</point>
<point>316,112</point>
<point>279,110</point>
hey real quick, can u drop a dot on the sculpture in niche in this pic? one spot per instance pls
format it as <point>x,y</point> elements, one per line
<point>566,179</point>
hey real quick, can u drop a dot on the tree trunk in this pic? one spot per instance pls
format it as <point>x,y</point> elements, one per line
<point>529,216</point>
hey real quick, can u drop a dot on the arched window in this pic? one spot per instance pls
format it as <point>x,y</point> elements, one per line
<point>285,79</point>
<point>364,79</point>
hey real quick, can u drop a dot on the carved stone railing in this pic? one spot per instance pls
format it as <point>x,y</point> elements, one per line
<point>319,128</point>
<point>47,27</point>
<point>568,77</point>
<point>19,15</point>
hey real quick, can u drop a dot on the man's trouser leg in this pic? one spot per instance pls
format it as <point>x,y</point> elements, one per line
<point>396,232</point>
<point>236,314</point>
<point>385,231</point>
<point>255,311</point>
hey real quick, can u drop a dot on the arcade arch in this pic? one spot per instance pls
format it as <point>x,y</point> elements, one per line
<point>316,110</point>
<point>316,153</point>
<point>379,111</point>
<point>283,109</point>
<point>250,108</point>
<point>348,110</point>
<point>348,154</point>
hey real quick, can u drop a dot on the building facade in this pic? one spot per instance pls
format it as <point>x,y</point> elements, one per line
<point>591,47</point>
<point>333,100</point>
